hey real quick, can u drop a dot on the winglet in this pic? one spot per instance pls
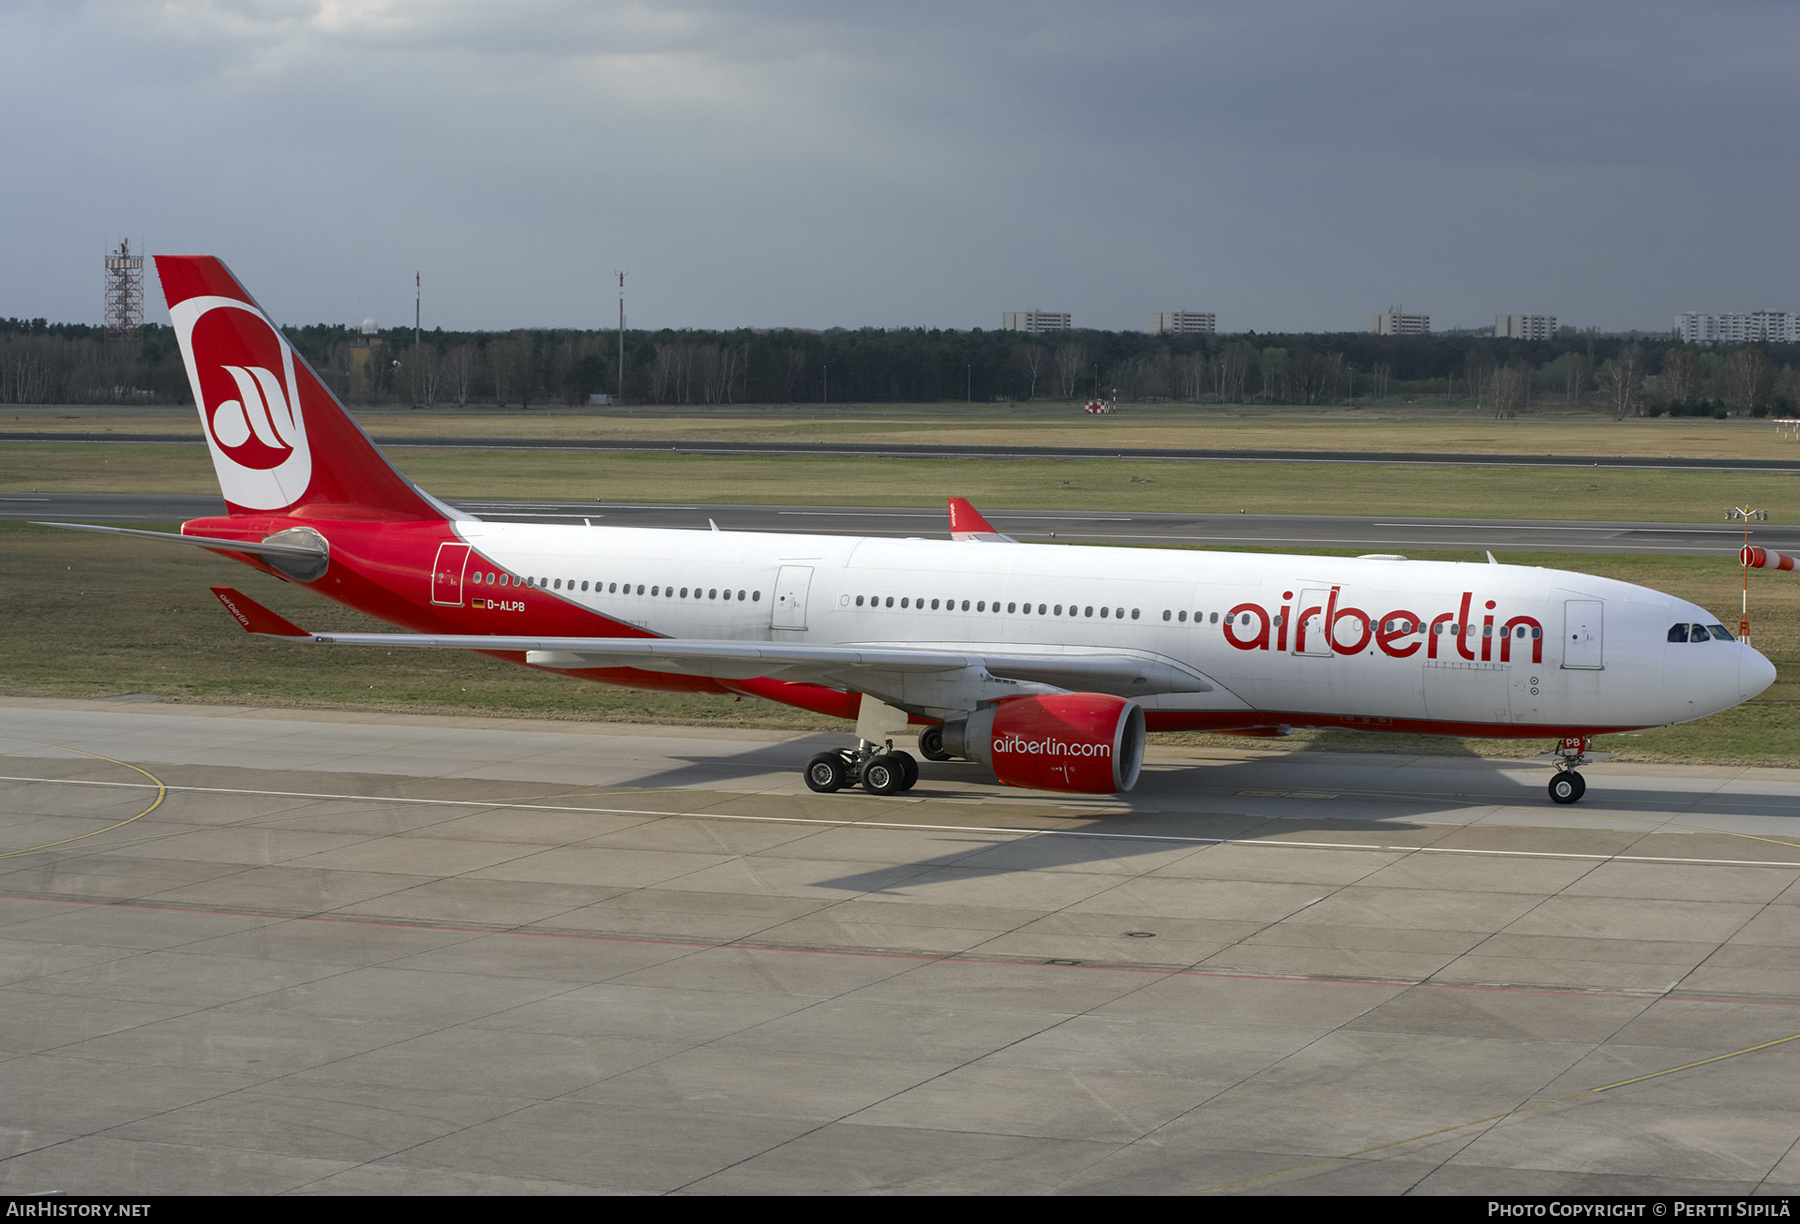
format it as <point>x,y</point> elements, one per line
<point>966,523</point>
<point>256,618</point>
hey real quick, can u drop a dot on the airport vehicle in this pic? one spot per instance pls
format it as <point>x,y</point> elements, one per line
<point>1046,663</point>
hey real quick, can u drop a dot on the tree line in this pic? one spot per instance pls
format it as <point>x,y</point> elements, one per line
<point>49,363</point>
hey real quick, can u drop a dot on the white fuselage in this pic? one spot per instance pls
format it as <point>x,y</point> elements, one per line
<point>1461,646</point>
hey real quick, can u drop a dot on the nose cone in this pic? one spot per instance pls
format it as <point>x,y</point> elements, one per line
<point>1755,673</point>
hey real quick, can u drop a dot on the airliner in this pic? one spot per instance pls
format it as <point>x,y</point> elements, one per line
<point>1047,664</point>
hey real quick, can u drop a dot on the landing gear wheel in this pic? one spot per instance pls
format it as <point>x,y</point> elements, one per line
<point>931,744</point>
<point>884,775</point>
<point>825,773</point>
<point>1567,787</point>
<point>910,768</point>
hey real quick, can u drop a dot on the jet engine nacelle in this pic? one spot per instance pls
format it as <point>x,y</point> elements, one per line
<point>1087,743</point>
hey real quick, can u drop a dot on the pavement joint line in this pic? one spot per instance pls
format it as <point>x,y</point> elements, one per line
<point>1179,839</point>
<point>1499,1118</point>
<point>1652,995</point>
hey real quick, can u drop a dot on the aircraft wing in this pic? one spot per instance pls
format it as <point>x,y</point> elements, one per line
<point>859,667</point>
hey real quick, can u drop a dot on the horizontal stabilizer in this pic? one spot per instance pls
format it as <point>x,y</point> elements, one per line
<point>259,548</point>
<point>256,618</point>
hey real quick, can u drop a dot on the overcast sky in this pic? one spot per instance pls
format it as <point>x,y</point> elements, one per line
<point>1290,166</point>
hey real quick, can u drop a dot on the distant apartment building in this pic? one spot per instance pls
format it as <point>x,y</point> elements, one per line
<point>1777,326</point>
<point>1183,323</point>
<point>1524,327</point>
<point>1035,321</point>
<point>1394,323</point>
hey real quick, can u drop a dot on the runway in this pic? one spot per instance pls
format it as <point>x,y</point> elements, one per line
<point>1289,531</point>
<point>262,951</point>
<point>903,450</point>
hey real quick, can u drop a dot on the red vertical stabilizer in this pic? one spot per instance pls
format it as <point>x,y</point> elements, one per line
<point>966,523</point>
<point>281,442</point>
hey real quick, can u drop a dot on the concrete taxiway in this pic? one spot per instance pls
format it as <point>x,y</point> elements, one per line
<point>259,951</point>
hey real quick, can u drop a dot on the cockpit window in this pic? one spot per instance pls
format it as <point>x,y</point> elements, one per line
<point>1678,633</point>
<point>1720,632</point>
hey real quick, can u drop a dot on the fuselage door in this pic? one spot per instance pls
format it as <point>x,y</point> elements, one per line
<point>1581,633</point>
<point>447,574</point>
<point>1310,635</point>
<point>789,608</point>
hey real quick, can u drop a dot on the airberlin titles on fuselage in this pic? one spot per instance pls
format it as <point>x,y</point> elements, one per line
<point>1316,628</point>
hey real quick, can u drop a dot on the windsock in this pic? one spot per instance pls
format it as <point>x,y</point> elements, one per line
<point>1757,557</point>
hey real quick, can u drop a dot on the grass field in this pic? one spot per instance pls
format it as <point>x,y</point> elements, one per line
<point>1399,428</point>
<point>89,616</point>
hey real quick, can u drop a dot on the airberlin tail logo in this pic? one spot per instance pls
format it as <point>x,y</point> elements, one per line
<point>244,379</point>
<point>261,411</point>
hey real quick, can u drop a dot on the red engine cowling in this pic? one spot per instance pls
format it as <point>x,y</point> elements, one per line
<point>1087,743</point>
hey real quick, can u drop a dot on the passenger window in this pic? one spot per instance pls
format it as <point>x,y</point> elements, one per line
<point>740,595</point>
<point>1104,612</point>
<point>640,589</point>
<point>906,601</point>
<point>1182,616</point>
<point>1215,618</point>
<point>934,604</point>
<point>965,606</point>
<point>859,601</point>
<point>755,596</point>
<point>981,606</point>
<point>1134,614</point>
<point>1041,608</point>
<point>1088,611</point>
<point>890,601</point>
<point>1167,614</point>
<point>712,592</point>
<point>584,586</point>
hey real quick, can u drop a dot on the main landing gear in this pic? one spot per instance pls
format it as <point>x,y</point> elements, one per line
<point>1568,786</point>
<point>876,766</point>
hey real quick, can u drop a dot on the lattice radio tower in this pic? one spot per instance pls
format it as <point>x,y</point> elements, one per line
<point>124,295</point>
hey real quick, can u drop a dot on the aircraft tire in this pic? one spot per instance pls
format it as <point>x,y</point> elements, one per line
<point>1567,787</point>
<point>910,768</point>
<point>825,773</point>
<point>884,775</point>
<point>931,744</point>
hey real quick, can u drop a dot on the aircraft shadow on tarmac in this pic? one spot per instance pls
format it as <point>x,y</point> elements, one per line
<point>1243,801</point>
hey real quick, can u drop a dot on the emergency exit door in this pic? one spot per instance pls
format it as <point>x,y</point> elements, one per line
<point>789,608</point>
<point>1581,633</point>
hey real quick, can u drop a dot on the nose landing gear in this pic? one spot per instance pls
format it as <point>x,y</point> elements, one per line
<point>1568,786</point>
<point>879,769</point>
